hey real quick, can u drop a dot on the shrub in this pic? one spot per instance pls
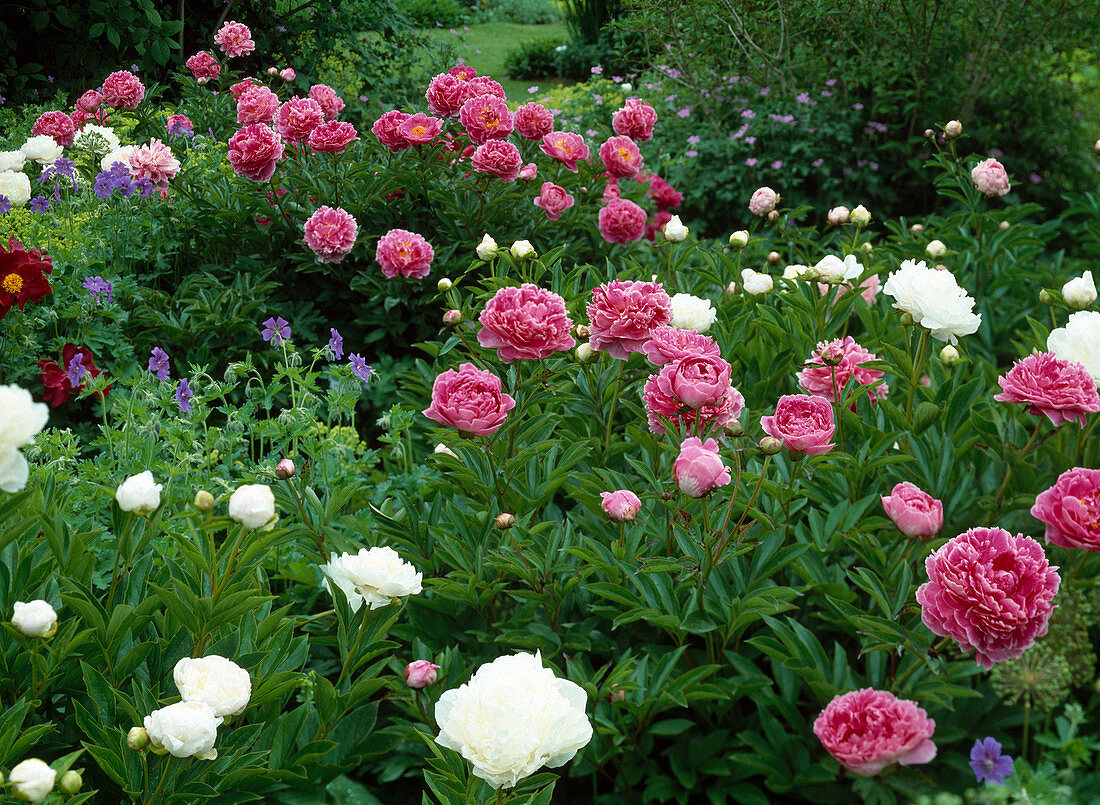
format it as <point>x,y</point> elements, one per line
<point>433,13</point>
<point>521,12</point>
<point>534,58</point>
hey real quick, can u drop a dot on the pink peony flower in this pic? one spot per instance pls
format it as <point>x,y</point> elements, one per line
<point>257,105</point>
<point>57,125</point>
<point>623,315</point>
<point>499,158</point>
<point>915,513</point>
<point>446,94</point>
<point>419,128</point>
<point>991,178</point>
<point>611,192</point>
<point>386,129</point>
<point>327,99</point>
<point>763,201</point>
<point>667,344</point>
<point>470,399</point>
<point>123,89</point>
<point>696,380</point>
<point>529,171</point>
<point>990,591</point>
<point>803,423</point>
<point>254,151</point>
<point>621,506</point>
<point>330,234</point>
<point>868,729</point>
<point>622,221</point>
<point>288,74</point>
<point>663,194</point>
<point>483,85</point>
<point>1071,509</point>
<point>241,87</point>
<point>635,120</point>
<point>566,147</point>
<point>1060,390</point>
<point>332,137</point>
<point>404,253</point>
<point>534,121</point>
<point>89,101</point>
<point>840,361</point>
<point>234,39</point>
<point>463,72</point>
<point>297,118</point>
<point>526,323</point>
<point>203,65</point>
<point>78,117</point>
<point>154,162</point>
<point>621,157</point>
<point>554,200</point>
<point>661,405</point>
<point>420,674</point>
<point>698,468</point>
<point>486,117</point>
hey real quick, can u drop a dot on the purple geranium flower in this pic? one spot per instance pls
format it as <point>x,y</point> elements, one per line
<point>336,344</point>
<point>276,330</point>
<point>5,204</point>
<point>77,369</point>
<point>39,204</point>
<point>158,363</point>
<point>988,763</point>
<point>360,368</point>
<point>96,286</point>
<point>184,395</point>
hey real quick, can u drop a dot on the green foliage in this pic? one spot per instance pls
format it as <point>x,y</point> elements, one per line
<point>433,13</point>
<point>522,12</point>
<point>534,59</point>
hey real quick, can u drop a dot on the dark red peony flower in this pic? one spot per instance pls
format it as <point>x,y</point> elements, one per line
<point>22,275</point>
<point>56,378</point>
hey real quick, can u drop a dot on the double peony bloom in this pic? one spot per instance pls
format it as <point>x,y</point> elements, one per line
<point>934,300</point>
<point>868,730</point>
<point>376,577</point>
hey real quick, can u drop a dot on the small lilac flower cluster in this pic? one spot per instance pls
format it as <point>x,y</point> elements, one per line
<point>276,330</point>
<point>98,286</point>
<point>118,178</point>
<point>180,128</point>
<point>160,366</point>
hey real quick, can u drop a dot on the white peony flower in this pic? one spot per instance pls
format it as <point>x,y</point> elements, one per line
<point>22,420</point>
<point>1080,292</point>
<point>935,249</point>
<point>16,187</point>
<point>252,505</point>
<point>117,155</point>
<point>184,729</point>
<point>376,576</point>
<point>934,300</point>
<point>42,148</point>
<point>675,230</point>
<point>32,780</point>
<point>139,494</point>
<point>215,681</point>
<point>12,160</point>
<point>756,283</point>
<point>97,140</point>
<point>860,216</point>
<point>522,248</point>
<point>832,269</point>
<point>692,313</point>
<point>512,718</point>
<point>740,238</point>
<point>487,248</point>
<point>1079,341</point>
<point>35,618</point>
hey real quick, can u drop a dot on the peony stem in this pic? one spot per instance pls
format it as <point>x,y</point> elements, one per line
<point>611,410</point>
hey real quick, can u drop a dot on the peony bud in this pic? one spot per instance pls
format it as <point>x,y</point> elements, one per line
<point>735,428</point>
<point>583,331</point>
<point>137,738</point>
<point>916,229</point>
<point>838,216</point>
<point>740,239</point>
<point>444,285</point>
<point>201,80</point>
<point>272,70</point>
<point>699,469</point>
<point>287,74</point>
<point>71,782</point>
<point>770,445</point>
<point>521,249</point>
<point>929,134</point>
<point>32,780</point>
<point>487,248</point>
<point>867,248</point>
<point>755,283</point>
<point>774,257</point>
<point>420,673</point>
<point>617,695</point>
<point>34,618</point>
<point>949,356</point>
<point>1045,297</point>
<point>861,216</point>
<point>1096,147</point>
<point>773,216</point>
<point>628,87</point>
<point>204,501</point>
<point>831,354</point>
<point>442,448</point>
<point>585,353</point>
<point>504,521</point>
<point>1003,225</point>
<point>935,249</point>
<point>139,494</point>
<point>1080,292</point>
<point>252,505</point>
<point>731,289</point>
<point>675,230</point>
<point>621,506</point>
<point>284,469</point>
<point>452,317</point>
<point>953,129</point>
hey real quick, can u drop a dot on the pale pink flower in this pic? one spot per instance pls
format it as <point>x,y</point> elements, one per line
<point>554,200</point>
<point>635,120</point>
<point>404,253</point>
<point>1071,510</point>
<point>330,234</point>
<point>154,162</point>
<point>534,121</point>
<point>470,400</point>
<point>763,201</point>
<point>526,323</point>
<point>622,221</point>
<point>234,39</point>
<point>254,151</point>
<point>868,729</point>
<point>332,137</point>
<point>256,105</point>
<point>123,89</point>
<point>331,103</point>
<point>838,216</point>
<point>991,178</point>
<point>1060,390</point>
<point>667,344</point>
<point>621,506</point>
<point>621,157</point>
<point>485,118</point>
<point>297,118</point>
<point>420,673</point>
<point>623,315</point>
<point>833,363</point>
<point>914,512</point>
<point>804,423</point>
<point>499,158</point>
<point>529,171</point>
<point>699,468</point>
<point>566,147</point>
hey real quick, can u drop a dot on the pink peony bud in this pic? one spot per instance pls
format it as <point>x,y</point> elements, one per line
<point>770,445</point>
<point>272,70</point>
<point>452,317</point>
<point>774,257</point>
<point>838,216</point>
<point>915,513</point>
<point>504,521</point>
<point>699,468</point>
<point>621,506</point>
<point>991,178</point>
<point>420,673</point>
<point>287,74</point>
<point>284,469</point>
<point>763,201</point>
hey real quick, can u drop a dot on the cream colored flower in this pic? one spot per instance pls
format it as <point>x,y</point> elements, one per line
<point>376,576</point>
<point>215,681</point>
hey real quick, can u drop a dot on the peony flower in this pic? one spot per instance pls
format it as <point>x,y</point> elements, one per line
<point>622,221</point>
<point>696,380</point>
<point>833,363</point>
<point>214,681</point>
<point>698,468</point>
<point>663,194</point>
<point>32,780</point>
<point>22,275</point>
<point>89,102</point>
<point>482,85</point>
<point>661,404</point>
<point>486,117</point>
<point>139,494</point>
<point>756,283</point>
<point>763,201</point>
<point>184,729</point>
<point>667,344</point>
<point>529,171</point>
<point>287,74</point>
<point>934,300</point>
<point>252,505</point>
<point>419,129</point>
<point>498,158</point>
<point>34,618</point>
<point>42,148</point>
<point>241,87</point>
<point>123,89</point>
<point>11,161</point>
<point>298,117</point>
<point>23,420</point>
<point>254,152</point>
<point>525,323</point>
<point>120,156</point>
<point>420,673</point>
<point>1079,341</point>
<point>1071,510</point>
<point>487,248</point>
<point>838,216</point>
<point>513,717</point>
<point>154,162</point>
<point>1060,390</point>
<point>621,157</point>
<point>868,729</point>
<point>404,253</point>
<point>692,313</point>
<point>990,591</point>
<point>57,380</point>
<point>470,400</point>
<point>991,178</point>
<point>567,148</point>
<point>331,103</point>
<point>1080,292</point>
<point>332,137</point>
<point>257,105</point>
<point>15,187</point>
<point>621,506</point>
<point>623,315</point>
<point>914,512</point>
<point>554,200</point>
<point>533,121</point>
<point>635,120</point>
<point>330,234</point>
<point>446,94</point>
<point>234,39</point>
<point>376,576</point>
<point>57,125</point>
<point>804,424</point>
<point>832,269</point>
<point>203,65</point>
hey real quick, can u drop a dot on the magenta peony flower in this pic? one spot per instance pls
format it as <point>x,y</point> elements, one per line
<point>404,253</point>
<point>621,506</point>
<point>663,194</point>
<point>635,120</point>
<point>331,103</point>
<point>566,147</point>
<point>123,89</point>
<point>483,85</point>
<point>330,234</point>
<point>241,87</point>
<point>661,404</point>
<point>763,201</point>
<point>1071,509</point>
<point>991,178</point>
<point>486,117</point>
<point>386,129</point>
<point>621,157</point>
<point>696,380</point>
<point>257,105</point>
<point>915,513</point>
<point>419,128</point>
<point>463,72</point>
<point>667,344</point>
<point>554,200</point>
<point>499,158</point>
<point>526,323</point>
<point>845,360</point>
<point>154,162</point>
<point>57,125</point>
<point>622,221</point>
<point>699,469</point>
<point>203,65</point>
<point>446,94</point>
<point>623,315</point>
<point>234,39</point>
<point>534,121</point>
<point>657,224</point>
<point>254,151</point>
<point>332,137</point>
<point>990,591</point>
<point>1060,390</point>
<point>297,118</point>
<point>89,101</point>
<point>868,729</point>
<point>803,423</point>
<point>611,192</point>
<point>470,399</point>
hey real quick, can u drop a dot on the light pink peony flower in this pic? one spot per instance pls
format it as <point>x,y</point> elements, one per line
<point>241,87</point>
<point>804,424</point>
<point>554,200</point>
<point>621,506</point>
<point>990,591</point>
<point>154,162</point>
<point>297,118</point>
<point>534,121</point>
<point>483,85</point>
<point>1060,390</point>
<point>526,323</point>
<point>763,201</point>
<point>89,101</point>
<point>622,221</point>
<point>470,399</point>
<point>696,380</point>
<point>612,191</point>
<point>822,365</point>
<point>868,729</point>
<point>623,315</point>
<point>404,253</point>
<point>1071,509</point>
<point>663,194</point>
<point>660,405</point>
<point>287,74</point>
<point>420,673</point>
<point>498,157</point>
<point>621,157</point>
<point>330,234</point>
<point>234,39</point>
<point>57,125</point>
<point>331,103</point>
<point>838,216</point>
<point>667,344</point>
<point>635,120</point>
<point>914,512</point>
<point>254,151</point>
<point>699,469</point>
<point>332,137</point>
<point>486,117</point>
<point>203,65</point>
<point>386,129</point>
<point>123,89</point>
<point>257,105</point>
<point>419,128</point>
<point>529,171</point>
<point>991,178</point>
<point>566,147</point>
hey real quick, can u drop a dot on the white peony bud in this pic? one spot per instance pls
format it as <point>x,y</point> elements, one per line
<point>585,353</point>
<point>831,268</point>
<point>184,729</point>
<point>740,239</point>
<point>487,248</point>
<point>692,313</point>
<point>35,618</point>
<point>949,356</point>
<point>860,216</point>
<point>32,780</point>
<point>522,248</point>
<point>1080,292</point>
<point>139,494</point>
<point>935,249</point>
<point>675,230</point>
<point>252,505</point>
<point>445,284</point>
<point>953,129</point>
<point>756,283</point>
<point>215,681</point>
